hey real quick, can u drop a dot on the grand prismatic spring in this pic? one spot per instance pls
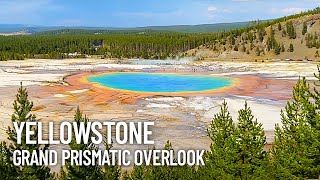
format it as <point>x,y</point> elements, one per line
<point>160,82</point>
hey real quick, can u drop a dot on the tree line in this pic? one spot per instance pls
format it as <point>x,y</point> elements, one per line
<point>156,45</point>
<point>237,151</point>
<point>145,44</point>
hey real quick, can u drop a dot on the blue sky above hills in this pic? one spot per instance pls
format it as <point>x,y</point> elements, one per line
<point>135,13</point>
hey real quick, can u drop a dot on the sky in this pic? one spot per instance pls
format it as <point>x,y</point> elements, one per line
<point>137,13</point>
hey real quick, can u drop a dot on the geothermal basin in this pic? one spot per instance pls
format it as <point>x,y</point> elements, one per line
<point>180,97</point>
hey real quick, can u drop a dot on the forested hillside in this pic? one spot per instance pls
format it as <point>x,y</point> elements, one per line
<point>293,37</point>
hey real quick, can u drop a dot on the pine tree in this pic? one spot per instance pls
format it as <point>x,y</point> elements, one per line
<point>92,172</point>
<point>172,172</point>
<point>7,169</point>
<point>236,48</point>
<point>279,27</point>
<point>284,33</point>
<point>305,28</point>
<point>290,30</point>
<point>251,139</point>
<point>277,49</point>
<point>283,48</point>
<point>22,113</point>
<point>296,150</point>
<point>111,172</point>
<point>138,172</point>
<point>236,152</point>
<point>258,52</point>
<point>291,49</point>
<point>162,172</point>
<point>272,43</point>
<point>314,121</point>
<point>221,160</point>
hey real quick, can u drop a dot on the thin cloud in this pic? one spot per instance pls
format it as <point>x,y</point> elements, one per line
<point>212,16</point>
<point>288,11</point>
<point>212,8</point>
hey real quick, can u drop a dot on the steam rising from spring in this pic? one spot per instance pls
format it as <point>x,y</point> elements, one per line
<point>168,61</point>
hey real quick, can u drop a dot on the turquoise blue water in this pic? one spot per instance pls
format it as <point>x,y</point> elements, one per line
<point>155,82</point>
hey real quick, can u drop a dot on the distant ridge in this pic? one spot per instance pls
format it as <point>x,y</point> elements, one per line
<point>201,28</point>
